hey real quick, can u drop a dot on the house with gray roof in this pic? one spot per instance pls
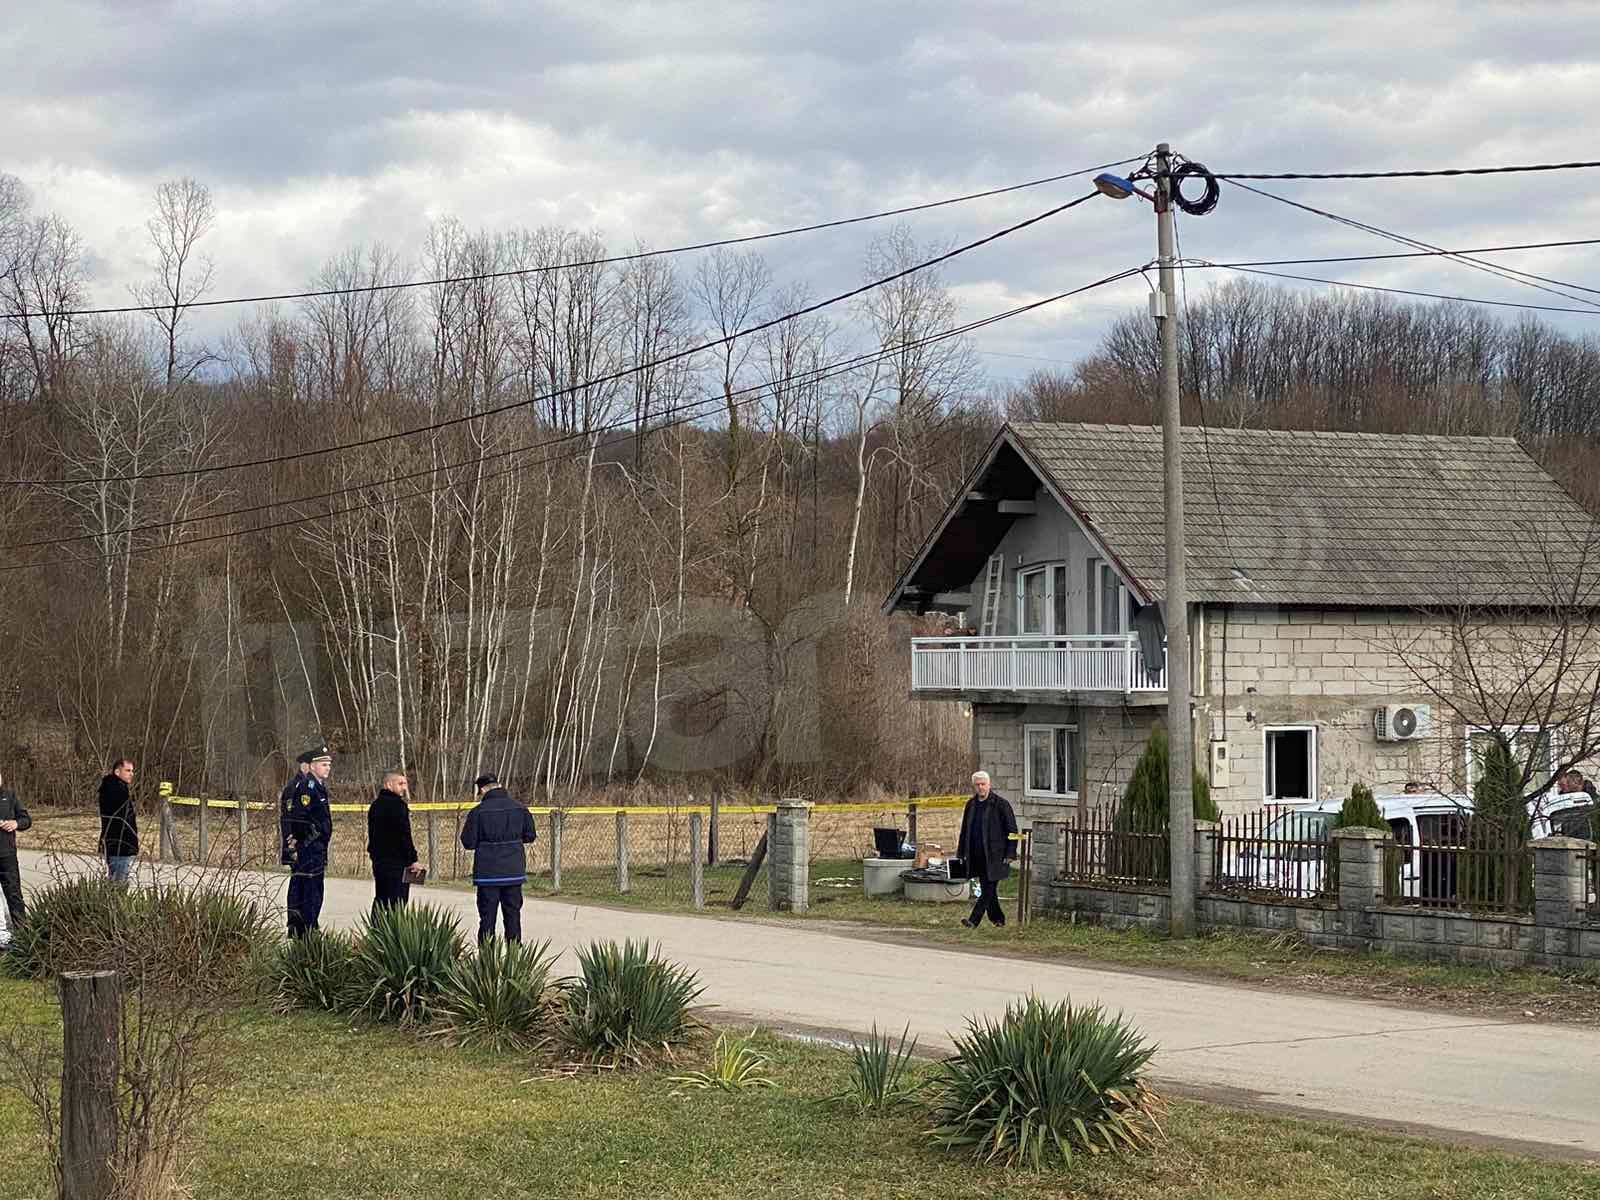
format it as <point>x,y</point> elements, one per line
<point>1320,565</point>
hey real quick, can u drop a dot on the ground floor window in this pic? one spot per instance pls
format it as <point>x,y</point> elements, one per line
<point>1051,752</point>
<point>1531,747</point>
<point>1291,754</point>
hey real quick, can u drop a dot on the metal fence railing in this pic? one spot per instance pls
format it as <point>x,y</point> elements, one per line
<point>1274,853</point>
<point>1463,877</point>
<point>1097,848</point>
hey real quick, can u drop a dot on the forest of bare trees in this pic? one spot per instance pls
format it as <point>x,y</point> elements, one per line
<point>544,558</point>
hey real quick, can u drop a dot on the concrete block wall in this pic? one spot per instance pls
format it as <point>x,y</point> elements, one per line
<point>789,857</point>
<point>1110,741</point>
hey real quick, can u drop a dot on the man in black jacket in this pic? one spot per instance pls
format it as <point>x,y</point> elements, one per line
<point>495,831</point>
<point>987,827</point>
<point>389,843</point>
<point>119,823</point>
<point>14,819</point>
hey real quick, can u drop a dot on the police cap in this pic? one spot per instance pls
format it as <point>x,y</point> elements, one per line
<point>483,781</point>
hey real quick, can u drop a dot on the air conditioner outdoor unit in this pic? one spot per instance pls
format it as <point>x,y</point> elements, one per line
<point>1402,722</point>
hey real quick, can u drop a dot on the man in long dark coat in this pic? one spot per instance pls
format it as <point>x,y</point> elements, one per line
<point>988,826</point>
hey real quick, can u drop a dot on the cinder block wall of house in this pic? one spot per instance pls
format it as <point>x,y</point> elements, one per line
<point>1330,669</point>
<point>1110,741</point>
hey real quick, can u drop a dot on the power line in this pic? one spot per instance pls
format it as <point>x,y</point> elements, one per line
<point>611,377</point>
<point>591,262</point>
<point>681,419</point>
<point>1508,273</point>
<point>1442,173</point>
<point>1372,287</point>
<point>1339,258</point>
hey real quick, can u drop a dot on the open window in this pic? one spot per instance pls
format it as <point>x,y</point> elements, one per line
<point>1291,762</point>
<point>1051,752</point>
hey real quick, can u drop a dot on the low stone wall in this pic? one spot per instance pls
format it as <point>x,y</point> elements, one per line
<point>1558,935</point>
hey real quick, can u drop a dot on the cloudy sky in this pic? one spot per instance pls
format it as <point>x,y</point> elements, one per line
<point>319,126</point>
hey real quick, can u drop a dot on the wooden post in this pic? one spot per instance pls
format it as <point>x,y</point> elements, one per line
<point>750,873</point>
<point>433,844</point>
<point>205,831</point>
<point>91,1022</point>
<point>167,835</point>
<point>911,822</point>
<point>1024,877</point>
<point>244,831</point>
<point>711,834</point>
<point>558,820</point>
<point>697,870</point>
<point>622,852</point>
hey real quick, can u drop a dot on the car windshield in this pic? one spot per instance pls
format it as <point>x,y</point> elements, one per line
<point>1300,827</point>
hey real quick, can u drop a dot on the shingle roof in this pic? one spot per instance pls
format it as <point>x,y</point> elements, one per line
<point>1326,518</point>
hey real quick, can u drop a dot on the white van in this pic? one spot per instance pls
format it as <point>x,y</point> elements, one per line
<point>1416,820</point>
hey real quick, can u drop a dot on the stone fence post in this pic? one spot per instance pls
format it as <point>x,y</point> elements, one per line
<point>1560,880</point>
<point>1205,834</point>
<point>789,857</point>
<point>1360,854</point>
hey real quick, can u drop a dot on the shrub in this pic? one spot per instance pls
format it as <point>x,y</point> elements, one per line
<point>403,961</point>
<point>1146,804</point>
<point>500,998</point>
<point>1360,811</point>
<point>316,971</point>
<point>627,1005</point>
<point>879,1073</point>
<point>1500,825</point>
<point>1043,1083</point>
<point>735,1065</point>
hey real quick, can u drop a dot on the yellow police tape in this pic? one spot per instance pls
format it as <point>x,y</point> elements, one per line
<point>168,793</point>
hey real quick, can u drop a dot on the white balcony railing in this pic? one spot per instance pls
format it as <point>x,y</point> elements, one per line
<point>1032,664</point>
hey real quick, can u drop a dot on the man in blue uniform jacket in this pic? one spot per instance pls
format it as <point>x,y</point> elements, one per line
<point>496,831</point>
<point>307,823</point>
<point>302,764</point>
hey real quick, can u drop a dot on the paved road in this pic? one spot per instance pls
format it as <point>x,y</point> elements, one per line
<point>1474,1078</point>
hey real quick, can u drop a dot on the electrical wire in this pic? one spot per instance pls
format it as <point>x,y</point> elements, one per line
<point>591,262</point>
<point>1373,287</point>
<point>754,392</point>
<point>1508,273</point>
<point>1442,173</point>
<point>611,377</point>
<point>1339,258</point>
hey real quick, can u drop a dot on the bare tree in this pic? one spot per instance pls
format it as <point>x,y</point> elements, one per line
<point>184,215</point>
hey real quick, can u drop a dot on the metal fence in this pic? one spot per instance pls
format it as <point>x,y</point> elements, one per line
<point>1097,848</point>
<point>644,854</point>
<point>1274,853</point>
<point>1458,876</point>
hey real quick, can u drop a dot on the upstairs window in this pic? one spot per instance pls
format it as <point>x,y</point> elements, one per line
<point>1042,601</point>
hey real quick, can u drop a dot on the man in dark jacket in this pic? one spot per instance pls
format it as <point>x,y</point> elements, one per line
<point>389,843</point>
<point>302,764</point>
<point>987,826</point>
<point>119,823</point>
<point>495,831</point>
<point>14,819</point>
<point>308,828</point>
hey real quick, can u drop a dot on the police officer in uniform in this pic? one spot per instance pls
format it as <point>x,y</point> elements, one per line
<point>302,764</point>
<point>307,822</point>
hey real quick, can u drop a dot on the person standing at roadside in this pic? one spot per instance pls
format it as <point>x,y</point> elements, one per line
<point>496,830</point>
<point>389,844</point>
<point>14,819</point>
<point>987,826</point>
<point>119,823</point>
<point>308,825</point>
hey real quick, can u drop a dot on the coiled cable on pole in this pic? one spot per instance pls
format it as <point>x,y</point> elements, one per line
<point>1207,201</point>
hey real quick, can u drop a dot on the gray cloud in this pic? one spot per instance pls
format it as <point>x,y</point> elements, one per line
<point>321,125</point>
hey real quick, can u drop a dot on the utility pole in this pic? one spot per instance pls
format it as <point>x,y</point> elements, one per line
<point>1180,724</point>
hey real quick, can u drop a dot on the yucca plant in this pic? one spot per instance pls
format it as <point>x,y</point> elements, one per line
<point>880,1070</point>
<point>627,1005</point>
<point>65,919</point>
<point>404,959</point>
<point>317,971</point>
<point>500,998</point>
<point>735,1065</point>
<point>1044,1083</point>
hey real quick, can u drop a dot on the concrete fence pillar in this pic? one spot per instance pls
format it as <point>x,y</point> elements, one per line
<point>789,857</point>
<point>1205,837</point>
<point>1360,855</point>
<point>1560,880</point>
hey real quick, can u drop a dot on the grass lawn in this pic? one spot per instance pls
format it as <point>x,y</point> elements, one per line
<point>321,1108</point>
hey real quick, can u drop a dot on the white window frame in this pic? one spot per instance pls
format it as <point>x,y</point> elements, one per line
<point>1071,741</point>
<point>1551,734</point>
<point>1095,599</point>
<point>1051,597</point>
<point>1312,778</point>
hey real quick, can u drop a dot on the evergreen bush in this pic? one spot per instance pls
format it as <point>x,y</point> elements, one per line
<point>501,998</point>
<point>628,1005</point>
<point>404,959</point>
<point>1360,811</point>
<point>1499,826</point>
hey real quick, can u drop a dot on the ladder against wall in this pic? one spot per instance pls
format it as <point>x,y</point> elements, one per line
<point>993,575</point>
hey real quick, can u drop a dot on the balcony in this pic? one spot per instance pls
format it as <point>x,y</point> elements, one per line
<point>955,665</point>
